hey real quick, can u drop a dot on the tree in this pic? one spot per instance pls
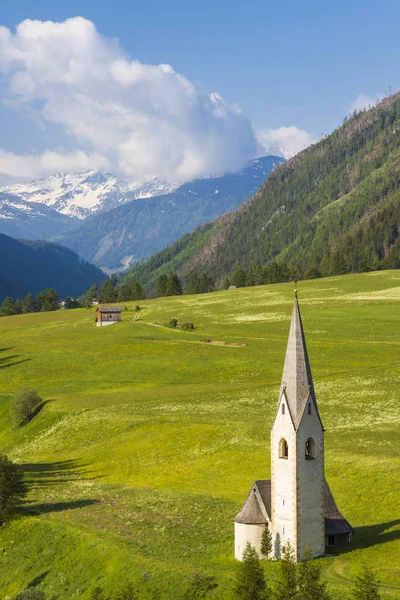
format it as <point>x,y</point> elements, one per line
<point>226,283</point>
<point>8,307</point>
<point>266,541</point>
<point>161,286</point>
<point>286,588</point>
<point>174,287</point>
<point>366,586</point>
<point>193,287</point>
<point>12,488</point>
<point>199,586</point>
<point>108,293</point>
<point>90,296</point>
<point>18,307</point>
<point>48,300</point>
<point>28,304</point>
<point>23,406</point>
<point>239,278</point>
<point>311,587</point>
<point>250,581</point>
<point>70,303</point>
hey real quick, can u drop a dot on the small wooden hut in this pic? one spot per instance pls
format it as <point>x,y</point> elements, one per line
<point>108,315</point>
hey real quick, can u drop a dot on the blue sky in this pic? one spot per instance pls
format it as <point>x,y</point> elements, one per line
<point>292,63</point>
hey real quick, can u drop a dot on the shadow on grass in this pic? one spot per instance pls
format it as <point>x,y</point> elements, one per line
<point>372,535</point>
<point>39,408</point>
<point>38,579</point>
<point>45,474</point>
<point>9,361</point>
<point>51,507</point>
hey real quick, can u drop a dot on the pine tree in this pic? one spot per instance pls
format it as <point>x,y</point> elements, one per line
<point>174,287</point>
<point>286,588</point>
<point>8,307</point>
<point>18,307</point>
<point>193,287</point>
<point>366,586</point>
<point>161,286</point>
<point>12,488</point>
<point>226,283</point>
<point>108,293</point>
<point>311,587</point>
<point>28,304</point>
<point>239,278</point>
<point>124,293</point>
<point>48,300</point>
<point>266,541</point>
<point>250,580</point>
<point>91,296</point>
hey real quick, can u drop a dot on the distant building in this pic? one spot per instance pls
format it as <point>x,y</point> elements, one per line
<point>108,315</point>
<point>296,503</point>
<point>232,287</point>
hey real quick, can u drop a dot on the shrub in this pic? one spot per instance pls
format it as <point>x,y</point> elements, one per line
<point>12,488</point>
<point>188,326</point>
<point>199,586</point>
<point>137,308</point>
<point>173,323</point>
<point>23,406</point>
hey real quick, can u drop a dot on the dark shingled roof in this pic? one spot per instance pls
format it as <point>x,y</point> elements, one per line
<point>297,383</point>
<point>109,309</point>
<point>257,509</point>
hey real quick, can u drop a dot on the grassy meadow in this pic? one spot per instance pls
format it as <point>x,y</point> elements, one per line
<point>149,438</point>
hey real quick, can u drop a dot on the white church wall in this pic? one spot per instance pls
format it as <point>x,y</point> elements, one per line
<point>247,533</point>
<point>310,487</point>
<point>283,481</point>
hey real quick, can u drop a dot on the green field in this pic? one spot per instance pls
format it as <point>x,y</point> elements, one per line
<point>150,438</point>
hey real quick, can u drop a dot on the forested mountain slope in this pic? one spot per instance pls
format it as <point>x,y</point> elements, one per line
<point>33,266</point>
<point>335,206</point>
<point>140,228</point>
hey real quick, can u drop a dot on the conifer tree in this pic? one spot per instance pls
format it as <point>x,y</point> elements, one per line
<point>366,586</point>
<point>91,296</point>
<point>193,287</point>
<point>28,304</point>
<point>286,588</point>
<point>18,306</point>
<point>311,586</point>
<point>48,300</point>
<point>226,283</point>
<point>161,286</point>
<point>12,488</point>
<point>108,293</point>
<point>8,307</point>
<point>239,278</point>
<point>266,541</point>
<point>174,287</point>
<point>250,580</point>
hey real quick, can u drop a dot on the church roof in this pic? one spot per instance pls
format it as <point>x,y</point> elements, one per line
<point>257,509</point>
<point>297,383</point>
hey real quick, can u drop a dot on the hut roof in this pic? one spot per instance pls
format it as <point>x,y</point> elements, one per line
<point>109,309</point>
<point>257,509</point>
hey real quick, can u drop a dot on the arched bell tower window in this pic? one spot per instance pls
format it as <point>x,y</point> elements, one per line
<point>283,449</point>
<point>310,449</point>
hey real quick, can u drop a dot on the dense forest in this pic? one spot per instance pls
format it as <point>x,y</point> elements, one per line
<point>334,208</point>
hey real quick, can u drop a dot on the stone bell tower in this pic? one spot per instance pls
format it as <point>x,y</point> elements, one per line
<point>296,504</point>
<point>297,454</point>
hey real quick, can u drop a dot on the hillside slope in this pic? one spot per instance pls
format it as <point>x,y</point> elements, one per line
<point>34,266</point>
<point>139,229</point>
<point>335,206</point>
<point>150,438</point>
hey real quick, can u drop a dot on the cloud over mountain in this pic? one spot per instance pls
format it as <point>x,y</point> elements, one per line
<point>137,119</point>
<point>287,141</point>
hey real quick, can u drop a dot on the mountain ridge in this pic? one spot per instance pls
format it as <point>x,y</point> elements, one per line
<point>335,206</point>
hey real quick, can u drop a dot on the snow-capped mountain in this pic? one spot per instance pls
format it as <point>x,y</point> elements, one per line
<point>82,194</point>
<point>30,220</point>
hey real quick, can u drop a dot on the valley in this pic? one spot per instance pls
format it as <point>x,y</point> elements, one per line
<point>150,438</point>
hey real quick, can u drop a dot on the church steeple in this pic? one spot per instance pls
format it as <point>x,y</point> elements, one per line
<point>297,383</point>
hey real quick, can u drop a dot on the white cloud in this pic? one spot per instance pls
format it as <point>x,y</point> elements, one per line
<point>285,141</point>
<point>364,101</point>
<point>139,120</point>
<point>32,166</point>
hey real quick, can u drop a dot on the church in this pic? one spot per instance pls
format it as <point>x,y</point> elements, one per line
<point>296,503</point>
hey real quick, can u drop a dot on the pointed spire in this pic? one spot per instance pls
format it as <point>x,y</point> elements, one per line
<point>297,383</point>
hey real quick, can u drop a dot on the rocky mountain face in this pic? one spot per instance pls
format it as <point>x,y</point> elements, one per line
<point>34,266</point>
<point>332,209</point>
<point>139,228</point>
<point>80,195</point>
<point>31,220</point>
